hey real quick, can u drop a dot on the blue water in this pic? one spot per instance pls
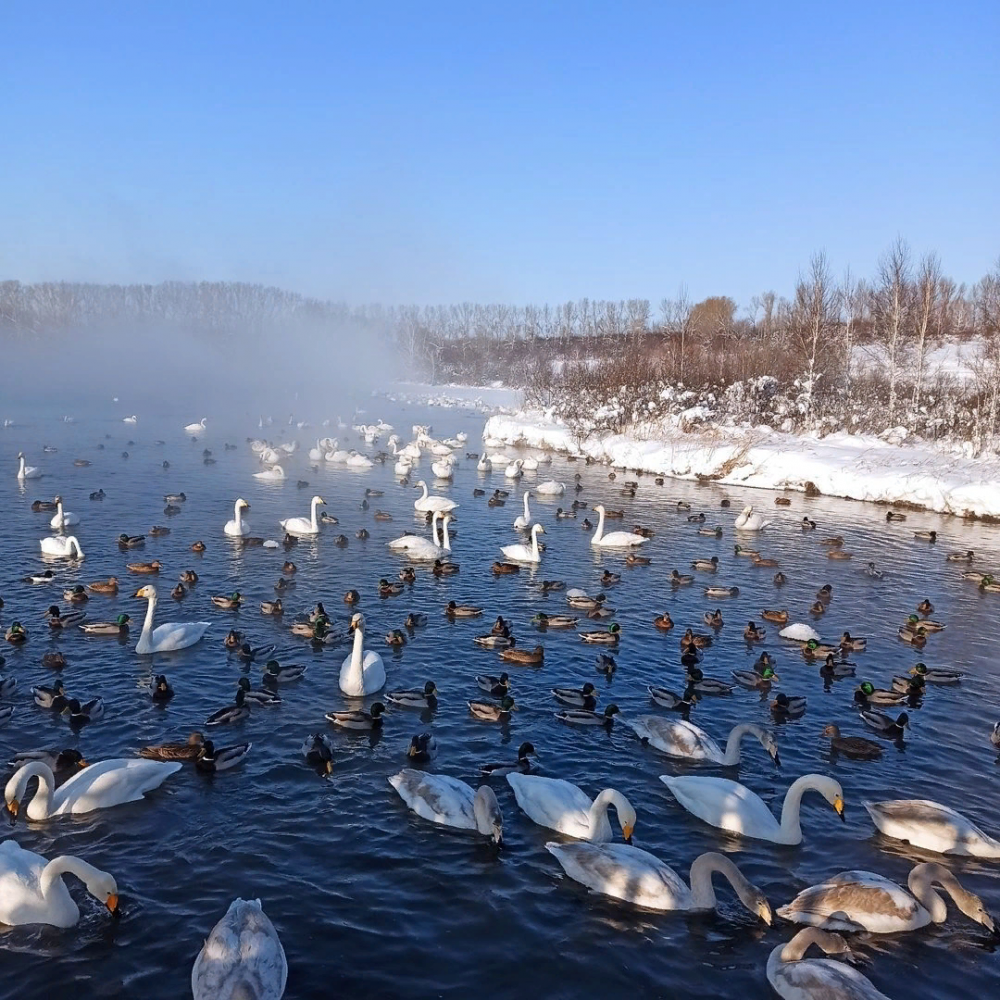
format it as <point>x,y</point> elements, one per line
<point>367,897</point>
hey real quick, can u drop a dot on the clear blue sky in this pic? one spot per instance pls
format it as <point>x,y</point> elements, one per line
<point>517,151</point>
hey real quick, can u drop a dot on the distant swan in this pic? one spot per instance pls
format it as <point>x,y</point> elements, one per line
<point>27,471</point>
<point>561,805</point>
<point>450,802</point>
<point>304,525</point>
<point>197,428</point>
<point>59,547</point>
<point>421,549</point>
<point>550,488</point>
<point>242,959</point>
<point>523,520</point>
<point>427,503</point>
<point>63,518</point>
<point>168,637</point>
<point>749,521</point>
<point>237,527</point>
<point>273,475</point>
<point>525,553</point>
<point>614,539</point>
<point>361,673</point>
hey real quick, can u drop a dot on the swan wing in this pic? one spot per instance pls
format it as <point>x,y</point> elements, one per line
<point>171,636</point>
<point>931,826</point>
<point>552,803</point>
<point>624,872</point>
<point>110,783</point>
<point>622,539</point>
<point>437,797</point>
<point>242,959</point>
<point>878,904</point>
<point>821,979</point>
<point>677,738</point>
<point>725,804</point>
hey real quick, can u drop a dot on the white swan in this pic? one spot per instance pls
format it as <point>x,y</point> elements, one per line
<point>523,520</point>
<point>443,469</point>
<point>98,786</point>
<point>304,525</point>
<point>550,488</point>
<point>356,461</point>
<point>427,503</point>
<point>881,906</point>
<point>484,464</point>
<point>269,456</point>
<point>61,547</point>
<point>614,539</point>
<point>638,877</point>
<point>525,553</point>
<point>316,454</point>
<point>196,428</point>
<point>420,549</point>
<point>441,450</point>
<point>242,959</point>
<point>932,827</point>
<point>130,420</point>
<point>800,632</point>
<point>273,475</point>
<point>237,527</point>
<point>338,456</point>
<point>290,447</point>
<point>403,467</point>
<point>63,518</point>
<point>450,802</point>
<point>731,806</point>
<point>168,637</point>
<point>749,521</point>
<point>26,471</point>
<point>513,471</point>
<point>794,977</point>
<point>529,464</point>
<point>32,890</point>
<point>561,805</point>
<point>361,673</point>
<point>680,738</point>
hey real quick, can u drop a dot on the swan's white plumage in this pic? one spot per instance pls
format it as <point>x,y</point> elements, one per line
<point>614,539</point>
<point>237,527</point>
<point>522,553</point>
<point>749,521</point>
<point>363,672</point>
<point>561,805</point>
<point>426,503</point>
<point>932,827</point>
<point>168,637</point>
<point>450,802</point>
<point>63,518</point>
<point>304,525</point>
<point>61,547</point>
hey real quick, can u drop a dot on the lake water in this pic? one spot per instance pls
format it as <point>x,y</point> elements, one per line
<point>365,896</point>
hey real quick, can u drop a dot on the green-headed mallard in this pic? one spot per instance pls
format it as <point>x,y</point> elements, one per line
<point>989,585</point>
<point>491,712</point>
<point>583,697</point>
<point>855,747</point>
<point>118,627</point>
<point>76,595</point>
<point>722,591</point>
<point>359,719</point>
<point>422,748</point>
<point>82,712</point>
<point>58,619</point>
<point>425,697</point>
<point>913,636</point>
<point>715,532</point>
<point>937,675</point>
<point>633,560</point>
<point>738,550</point>
<point>867,694</point>
<point>583,717</point>
<point>812,649</point>
<point>131,541</point>
<point>753,680</point>
<point>522,764</point>
<point>53,697</point>
<point>275,673</point>
<point>893,515</point>
<point>608,637</point>
<point>807,525</point>
<point>885,725</point>
<point>524,656</point>
<point>175,751</point>
<point>788,706</point>
<point>496,686</point>
<point>923,624</point>
<point>668,699</point>
<point>236,712</point>
<point>415,619</point>
<point>456,610</point>
<point>264,696</point>
<point>925,536</point>
<point>697,681</point>
<point>680,579</point>
<point>585,602</point>
<point>542,620</point>
<point>908,684</point>
<point>706,565</point>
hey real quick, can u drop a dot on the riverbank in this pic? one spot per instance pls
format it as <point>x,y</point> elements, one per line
<point>858,467</point>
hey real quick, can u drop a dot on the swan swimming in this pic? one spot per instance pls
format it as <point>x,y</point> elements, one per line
<point>450,802</point>
<point>32,890</point>
<point>196,428</point>
<point>932,827</point>
<point>429,504</point>
<point>550,488</point>
<point>242,958</point>
<point>27,471</point>
<point>168,637</point>
<point>98,786</point>
<point>63,518</point>
<point>60,547</point>
<point>749,521</point>
<point>523,520</point>
<point>680,738</point>
<point>525,553</point>
<point>237,527</point>
<point>304,525</point>
<point>614,539</point>
<point>362,672</point>
<point>561,805</point>
<point>730,806</point>
<point>273,475</point>
<point>795,977</point>
<point>420,549</point>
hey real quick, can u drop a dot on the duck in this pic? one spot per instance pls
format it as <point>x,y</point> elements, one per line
<point>388,588</point>
<point>785,706</point>
<point>867,694</point>
<point>914,637</point>
<point>61,547</point>
<point>521,553</point>
<point>144,568</point>
<point>668,699</point>
<point>892,515</point>
<point>713,618</point>
<point>8,685</point>
<point>730,806</point>
<point>363,672</point>
<point>212,759</point>
<point>455,610</point>
<point>178,593</point>
<point>884,725</point>
<point>781,617</point>
<point>679,579</point>
<point>58,619</point>
<point>523,763</point>
<point>584,697</point>
<point>187,751</point>
<point>663,622</point>
<point>275,673</point>
<point>490,712</point>
<point>40,506</point>
<point>47,577</point>
<point>763,563</point>
<point>62,763</point>
<point>794,977</point>
<point>633,559</point>
<point>680,738</point>
<point>235,712</point>
<point>756,681</point>
<point>159,531</point>
<point>545,621</point>
<point>317,748</point>
<point>425,697</point>
<point>275,607</point>
<point>780,579</point>
<point>127,541</point>
<point>813,649</point>
<point>607,637</point>
<point>505,568</point>
<point>722,591</point>
<point>231,603</point>
<point>635,876</point>
<point>738,550</point>
<point>835,670</point>
<point>492,640</point>
<point>32,890</point>
<point>614,539</point>
<point>524,657</point>
<point>925,536</point>
<point>697,681</point>
<point>910,685</point>
<point>839,554</point>
<point>242,956</point>
<point>168,637</point>
<point>16,634</point>
<point>119,627</point>
<point>562,806</point>
<point>359,719</point>
<point>931,826</point>
<point>588,717</point>
<point>564,514</point>
<point>715,532</point>
<point>817,608</point>
<point>850,643</point>
<point>925,607</point>
<point>422,748</point>
<point>189,576</point>
<point>395,638</point>
<point>916,624</point>
<point>855,747</point>
<point>967,556</point>
<point>415,619</point>
<point>496,686</point>
<point>442,568</point>
<point>102,785</point>
<point>450,802</point>
<point>692,640</point>
<point>937,675</point>
<point>53,697</point>
<point>807,524</point>
<point>54,660</point>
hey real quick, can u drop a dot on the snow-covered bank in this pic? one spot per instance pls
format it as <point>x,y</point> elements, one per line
<point>841,465</point>
<point>482,398</point>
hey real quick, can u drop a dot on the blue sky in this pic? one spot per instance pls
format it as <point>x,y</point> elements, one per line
<point>523,152</point>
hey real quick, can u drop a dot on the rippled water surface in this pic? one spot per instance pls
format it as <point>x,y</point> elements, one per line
<point>364,895</point>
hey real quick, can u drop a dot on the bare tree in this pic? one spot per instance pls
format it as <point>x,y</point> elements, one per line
<point>814,316</point>
<point>889,305</point>
<point>926,294</point>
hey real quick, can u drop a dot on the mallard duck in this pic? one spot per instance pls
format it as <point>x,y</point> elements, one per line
<point>496,686</point>
<point>317,748</point>
<point>813,649</point>
<point>707,565</point>
<point>57,619</point>
<point>885,725</point>
<point>583,717</point>
<point>415,698</point>
<point>925,536</point>
<point>407,574</point>
<point>341,541</point>
<point>494,641</point>
<point>925,607</point>
<point>817,608</point>
<point>911,686</point>
<point>753,633</point>
<point>668,699</point>
<point>500,627</point>
<point>722,591</point>
<point>663,622</point>
<point>282,585</point>
<point>680,580</point>
<point>266,696</point>
<point>782,502</point>
<point>607,637</point>
<point>763,563</point>
<point>807,525</point>
<point>455,610</point>
<point>542,620</point>
<point>175,751</point>
<point>231,603</point>
<point>609,579</point>
<point>968,556</point>
<point>583,697</point>
<point>159,531</point>
<point>937,675</point>
<point>560,513</point>
<point>832,543</point>
<point>288,568</point>
<point>327,518</point>
<point>738,550</point>
<point>47,577</point>
<point>914,637</point>
<point>751,679</point>
<point>529,657</point>
<point>54,660</point>
<point>359,719</point>
<point>490,712</point>
<point>43,505</point>
<point>317,629</point>
<point>7,686</point>
<point>118,627</point>
<point>389,589</point>
<point>178,593</point>
<point>76,595</point>
<point>415,619</point>
<point>272,607</point>
<point>395,638</point>
<point>131,541</point>
<point>989,585</point>
<point>522,764</point>
<point>230,714</point>
<point>62,763</point>
<point>275,673</point>
<point>151,567</point>
<point>780,579</point>
<point>211,758</point>
<point>162,691</point>
<point>606,664</point>
<point>422,748</point>
<point>584,602</point>
<point>697,681</point>
<point>713,618</point>
<point>633,560</point>
<point>696,518</point>
<point>695,640</point>
<point>855,747</point>
<point>839,554</point>
<point>189,576</point>
<point>443,568</point>
<point>715,532</point>
<point>352,597</point>
<point>867,694</point>
<point>683,505</point>
<point>923,624</point>
<point>788,706</point>
<point>850,643</point>
<point>764,660</point>
<point>198,546</point>
<point>317,613</point>
<point>53,696</point>
<point>505,568</point>
<point>781,617</point>
<point>892,515</point>
<point>81,712</point>
<point>834,670</point>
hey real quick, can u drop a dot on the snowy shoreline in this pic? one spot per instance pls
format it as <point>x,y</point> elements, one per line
<point>855,467</point>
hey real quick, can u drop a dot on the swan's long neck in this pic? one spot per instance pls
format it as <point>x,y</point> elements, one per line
<point>921,883</point>
<point>74,547</point>
<point>59,512</point>
<point>67,863</point>
<point>41,804</point>
<point>702,890</point>
<point>357,654</point>
<point>790,826</point>
<point>423,486</point>
<point>534,540</point>
<point>147,625</point>
<point>20,468</point>
<point>527,513</point>
<point>315,524</point>
<point>238,515</point>
<point>736,737</point>
<point>446,543</point>
<point>600,526</point>
<point>832,944</point>
<point>599,809</point>
<point>435,537</point>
